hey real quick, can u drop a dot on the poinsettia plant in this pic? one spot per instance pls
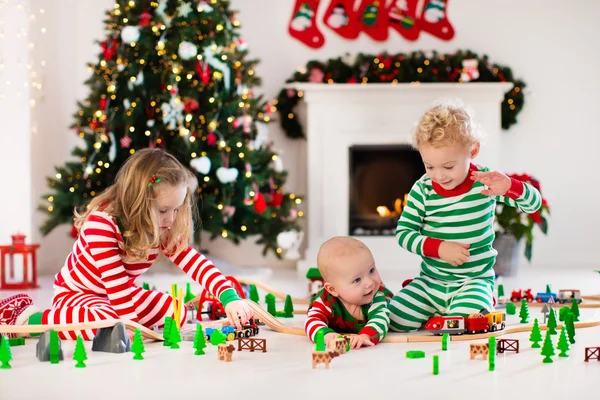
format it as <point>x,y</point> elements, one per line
<point>512,221</point>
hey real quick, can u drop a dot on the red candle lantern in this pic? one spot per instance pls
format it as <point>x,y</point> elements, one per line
<point>8,253</point>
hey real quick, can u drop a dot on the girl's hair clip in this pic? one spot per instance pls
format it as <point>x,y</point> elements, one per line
<point>153,180</point>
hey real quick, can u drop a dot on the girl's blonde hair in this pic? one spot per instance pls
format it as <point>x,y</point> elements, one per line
<point>131,201</point>
<point>446,124</point>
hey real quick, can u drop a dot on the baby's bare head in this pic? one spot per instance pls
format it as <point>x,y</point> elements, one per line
<point>335,255</point>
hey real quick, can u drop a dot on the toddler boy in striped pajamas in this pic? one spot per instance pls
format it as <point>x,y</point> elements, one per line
<point>448,221</point>
<point>353,298</point>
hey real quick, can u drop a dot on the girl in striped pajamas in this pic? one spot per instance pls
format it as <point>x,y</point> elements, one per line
<point>353,299</point>
<point>448,221</point>
<point>147,211</point>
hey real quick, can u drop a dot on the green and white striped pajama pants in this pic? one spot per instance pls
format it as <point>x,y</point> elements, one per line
<point>425,297</point>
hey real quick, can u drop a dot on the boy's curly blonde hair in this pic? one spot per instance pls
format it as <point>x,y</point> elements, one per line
<point>446,124</point>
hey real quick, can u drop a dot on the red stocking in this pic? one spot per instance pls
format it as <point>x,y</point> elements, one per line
<point>434,19</point>
<point>372,18</point>
<point>402,17</point>
<point>303,24</point>
<point>340,18</point>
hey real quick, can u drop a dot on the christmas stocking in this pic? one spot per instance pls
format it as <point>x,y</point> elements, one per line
<point>372,18</point>
<point>434,19</point>
<point>402,17</point>
<point>340,18</point>
<point>303,23</point>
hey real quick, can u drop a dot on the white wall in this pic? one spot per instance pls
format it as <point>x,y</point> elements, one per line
<point>551,44</point>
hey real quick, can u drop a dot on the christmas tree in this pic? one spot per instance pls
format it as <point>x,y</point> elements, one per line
<point>552,322</point>
<point>548,348</point>
<point>524,312</point>
<point>167,331</point>
<point>5,354</point>
<point>563,343</point>
<point>254,294</point>
<point>288,307</point>
<point>79,354</point>
<point>174,336</point>
<point>270,300</point>
<point>575,310</point>
<point>138,345</point>
<point>199,341</point>
<point>536,335</point>
<point>175,75</point>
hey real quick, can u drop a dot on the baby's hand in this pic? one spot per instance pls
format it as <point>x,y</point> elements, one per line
<point>454,253</point>
<point>238,313</point>
<point>330,337</point>
<point>356,342</point>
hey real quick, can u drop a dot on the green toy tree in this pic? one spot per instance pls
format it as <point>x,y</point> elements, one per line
<point>54,347</point>
<point>563,343</point>
<point>175,336</point>
<point>138,345</point>
<point>5,354</point>
<point>175,75</point>
<point>552,324</point>
<point>320,340</point>
<point>562,314</point>
<point>511,308</point>
<point>445,339</point>
<point>167,331</point>
<point>536,335</point>
<point>79,354</point>
<point>189,296</point>
<point>288,307</point>
<point>548,289</point>
<point>548,348</point>
<point>199,341</point>
<point>254,294</point>
<point>492,353</point>
<point>570,325</point>
<point>524,312</point>
<point>146,286</point>
<point>217,337</point>
<point>575,310</point>
<point>270,299</point>
<point>500,291</point>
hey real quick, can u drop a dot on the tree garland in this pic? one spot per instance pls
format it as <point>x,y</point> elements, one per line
<point>418,66</point>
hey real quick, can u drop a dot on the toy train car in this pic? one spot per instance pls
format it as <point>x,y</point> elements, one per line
<point>230,332</point>
<point>475,323</point>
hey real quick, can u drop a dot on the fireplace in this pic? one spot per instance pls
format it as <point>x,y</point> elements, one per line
<point>380,178</point>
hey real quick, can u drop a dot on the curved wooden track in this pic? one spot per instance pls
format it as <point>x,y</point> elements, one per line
<point>393,337</point>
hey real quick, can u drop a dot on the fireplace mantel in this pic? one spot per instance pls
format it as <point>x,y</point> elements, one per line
<point>343,115</point>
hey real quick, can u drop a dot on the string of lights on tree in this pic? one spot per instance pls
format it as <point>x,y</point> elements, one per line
<point>417,67</point>
<point>175,74</point>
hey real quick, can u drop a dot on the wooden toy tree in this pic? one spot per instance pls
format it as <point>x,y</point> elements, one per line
<point>536,335</point>
<point>175,337</point>
<point>254,294</point>
<point>575,310</point>
<point>138,345</point>
<point>563,343</point>
<point>548,348</point>
<point>288,307</point>
<point>270,299</point>
<point>524,312</point>
<point>167,331</point>
<point>570,325</point>
<point>79,354</point>
<point>217,337</point>
<point>199,341</point>
<point>320,340</point>
<point>552,322</point>
<point>5,354</point>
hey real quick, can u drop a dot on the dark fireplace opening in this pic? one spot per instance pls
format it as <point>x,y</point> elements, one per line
<point>380,179</point>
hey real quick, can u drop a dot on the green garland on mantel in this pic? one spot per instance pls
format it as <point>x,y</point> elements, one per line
<point>415,67</point>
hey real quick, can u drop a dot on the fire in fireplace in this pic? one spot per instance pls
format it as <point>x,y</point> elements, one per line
<point>380,178</point>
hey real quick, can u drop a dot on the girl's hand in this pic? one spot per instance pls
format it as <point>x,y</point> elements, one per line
<point>497,182</point>
<point>238,313</point>
<point>356,342</point>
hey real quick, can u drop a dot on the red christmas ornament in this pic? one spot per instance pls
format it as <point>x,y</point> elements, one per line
<point>125,142</point>
<point>149,111</point>
<point>103,103</point>
<point>260,205</point>
<point>276,200</point>
<point>109,49</point>
<point>203,70</point>
<point>352,80</point>
<point>190,104</point>
<point>211,139</point>
<point>145,19</point>
<point>174,90</point>
<point>94,124</point>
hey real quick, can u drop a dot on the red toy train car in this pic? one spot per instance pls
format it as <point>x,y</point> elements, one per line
<point>475,323</point>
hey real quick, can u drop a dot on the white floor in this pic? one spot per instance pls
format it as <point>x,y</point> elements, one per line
<point>285,370</point>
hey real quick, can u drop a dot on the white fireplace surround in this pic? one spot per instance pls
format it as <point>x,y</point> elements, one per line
<point>343,115</point>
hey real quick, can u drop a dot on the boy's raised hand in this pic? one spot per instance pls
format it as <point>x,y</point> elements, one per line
<point>497,183</point>
<point>454,253</point>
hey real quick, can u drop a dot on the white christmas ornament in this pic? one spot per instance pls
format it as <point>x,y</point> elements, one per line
<point>112,152</point>
<point>278,164</point>
<point>216,63</point>
<point>120,67</point>
<point>204,7</point>
<point>150,123</point>
<point>242,45</point>
<point>227,175</point>
<point>262,135</point>
<point>349,58</point>
<point>127,104</point>
<point>139,79</point>
<point>338,17</point>
<point>160,10</point>
<point>130,34</point>
<point>201,164</point>
<point>184,9</point>
<point>172,112</point>
<point>470,70</point>
<point>290,241</point>
<point>187,50</point>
